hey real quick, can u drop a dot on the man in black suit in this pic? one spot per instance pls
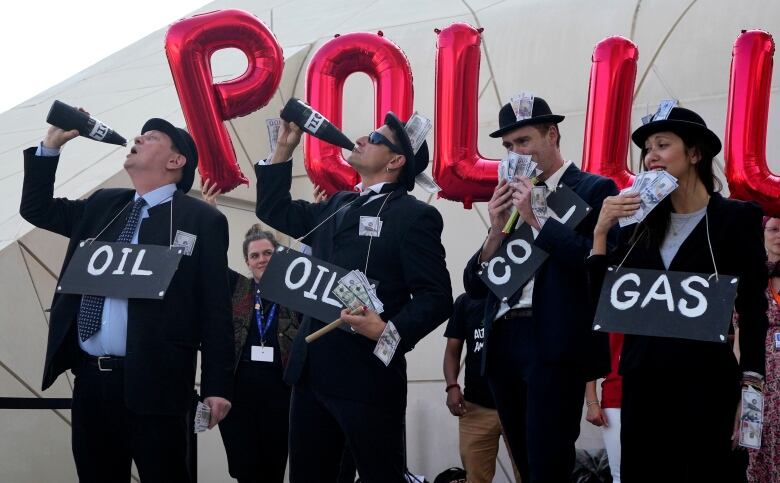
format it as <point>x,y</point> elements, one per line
<point>342,391</point>
<point>539,348</point>
<point>134,359</point>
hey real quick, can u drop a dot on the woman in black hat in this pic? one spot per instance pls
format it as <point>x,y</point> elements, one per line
<point>686,431</point>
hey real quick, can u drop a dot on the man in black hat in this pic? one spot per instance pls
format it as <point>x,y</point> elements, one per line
<point>342,391</point>
<point>539,349</point>
<point>134,359</point>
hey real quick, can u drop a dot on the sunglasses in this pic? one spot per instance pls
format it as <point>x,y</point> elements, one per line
<point>376,137</point>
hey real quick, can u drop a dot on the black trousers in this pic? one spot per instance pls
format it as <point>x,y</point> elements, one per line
<point>255,430</point>
<point>539,404</point>
<point>106,435</point>
<point>677,428</point>
<point>320,425</point>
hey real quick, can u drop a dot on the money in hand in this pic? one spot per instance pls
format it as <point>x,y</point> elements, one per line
<point>653,187</point>
<point>539,203</point>
<point>273,126</point>
<point>202,417</point>
<point>354,290</point>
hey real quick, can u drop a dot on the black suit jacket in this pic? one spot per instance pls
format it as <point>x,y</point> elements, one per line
<point>163,336</point>
<point>738,246</point>
<point>407,260</point>
<point>562,311</point>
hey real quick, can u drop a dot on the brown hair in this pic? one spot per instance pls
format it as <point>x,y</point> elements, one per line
<point>255,233</point>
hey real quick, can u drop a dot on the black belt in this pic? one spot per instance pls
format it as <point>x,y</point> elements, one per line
<point>517,314</point>
<point>105,363</point>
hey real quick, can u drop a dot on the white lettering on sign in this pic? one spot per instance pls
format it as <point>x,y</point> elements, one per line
<point>495,279</point>
<point>661,290</point>
<point>633,296</point>
<point>306,272</point>
<point>654,294</point>
<point>109,256</point>
<point>137,270</point>
<point>699,309</point>
<point>120,270</point>
<point>562,219</point>
<point>325,297</point>
<point>309,294</point>
<point>522,244</point>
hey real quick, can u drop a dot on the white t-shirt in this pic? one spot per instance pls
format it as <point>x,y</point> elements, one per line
<point>680,227</point>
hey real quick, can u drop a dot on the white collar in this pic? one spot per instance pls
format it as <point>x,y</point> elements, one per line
<point>555,178</point>
<point>158,195</point>
<point>374,188</point>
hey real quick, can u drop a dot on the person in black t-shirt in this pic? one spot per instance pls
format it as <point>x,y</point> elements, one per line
<point>479,426</point>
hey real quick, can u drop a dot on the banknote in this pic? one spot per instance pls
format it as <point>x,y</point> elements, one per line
<point>273,126</point>
<point>522,105</point>
<point>387,344</point>
<point>417,128</point>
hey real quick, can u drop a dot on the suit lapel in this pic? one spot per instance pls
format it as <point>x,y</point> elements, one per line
<point>571,177</point>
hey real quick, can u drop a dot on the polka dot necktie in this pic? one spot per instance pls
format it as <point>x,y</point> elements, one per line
<point>91,310</point>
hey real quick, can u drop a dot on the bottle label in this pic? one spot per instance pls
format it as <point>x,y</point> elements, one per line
<point>98,131</point>
<point>314,122</point>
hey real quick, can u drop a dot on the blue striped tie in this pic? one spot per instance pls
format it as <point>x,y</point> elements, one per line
<point>91,310</point>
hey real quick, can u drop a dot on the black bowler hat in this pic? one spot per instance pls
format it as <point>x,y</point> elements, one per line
<point>540,114</point>
<point>184,144</point>
<point>680,121</point>
<point>415,163</point>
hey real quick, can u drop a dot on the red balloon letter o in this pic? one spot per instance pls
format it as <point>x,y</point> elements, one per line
<point>387,66</point>
<point>189,44</point>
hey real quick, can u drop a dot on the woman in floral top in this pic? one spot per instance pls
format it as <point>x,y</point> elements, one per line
<point>765,462</point>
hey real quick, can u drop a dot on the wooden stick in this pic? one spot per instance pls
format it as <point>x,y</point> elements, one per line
<point>316,335</point>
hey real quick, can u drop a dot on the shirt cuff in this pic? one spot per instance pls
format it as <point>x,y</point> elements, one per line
<point>43,151</point>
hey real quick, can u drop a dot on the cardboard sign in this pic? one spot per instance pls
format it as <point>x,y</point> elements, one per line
<point>304,284</point>
<point>684,305</point>
<point>518,259</point>
<point>120,270</point>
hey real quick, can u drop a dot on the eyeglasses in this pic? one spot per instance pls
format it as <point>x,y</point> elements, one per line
<point>375,137</point>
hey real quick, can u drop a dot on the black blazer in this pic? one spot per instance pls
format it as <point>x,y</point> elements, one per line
<point>562,312</point>
<point>407,260</point>
<point>738,245</point>
<point>163,337</point>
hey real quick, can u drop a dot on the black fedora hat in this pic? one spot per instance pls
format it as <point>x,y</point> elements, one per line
<point>680,121</point>
<point>540,114</point>
<point>184,144</point>
<point>415,163</point>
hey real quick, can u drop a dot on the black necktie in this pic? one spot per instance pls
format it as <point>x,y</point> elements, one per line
<point>91,309</point>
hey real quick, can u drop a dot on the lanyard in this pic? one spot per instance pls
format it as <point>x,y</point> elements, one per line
<point>263,323</point>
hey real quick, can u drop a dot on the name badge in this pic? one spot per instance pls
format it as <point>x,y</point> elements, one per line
<point>777,340</point>
<point>370,226</point>
<point>262,354</point>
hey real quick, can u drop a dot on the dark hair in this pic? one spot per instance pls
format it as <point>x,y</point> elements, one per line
<point>255,233</point>
<point>545,128</point>
<point>657,221</point>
